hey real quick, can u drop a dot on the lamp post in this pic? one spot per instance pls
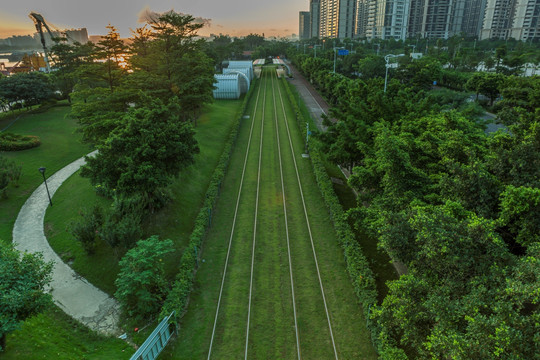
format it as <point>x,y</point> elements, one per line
<point>315,48</point>
<point>42,171</point>
<point>335,55</point>
<point>387,59</point>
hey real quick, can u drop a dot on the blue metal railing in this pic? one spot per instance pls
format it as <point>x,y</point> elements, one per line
<point>156,342</point>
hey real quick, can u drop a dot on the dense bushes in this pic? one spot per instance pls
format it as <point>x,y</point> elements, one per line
<point>86,231</point>
<point>9,173</point>
<point>119,226</point>
<point>178,295</point>
<point>141,283</point>
<point>15,142</point>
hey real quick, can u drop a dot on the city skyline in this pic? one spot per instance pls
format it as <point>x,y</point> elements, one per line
<point>235,18</point>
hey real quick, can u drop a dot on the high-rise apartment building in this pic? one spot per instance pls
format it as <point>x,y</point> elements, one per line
<point>328,24</point>
<point>362,15</point>
<point>337,18</point>
<point>442,18</point>
<point>526,24</point>
<point>304,25</point>
<point>498,19</point>
<point>388,19</point>
<point>473,17</point>
<point>399,19</point>
<point>518,19</point>
<point>416,17</point>
<point>347,19</point>
<point>445,18</point>
<point>314,10</point>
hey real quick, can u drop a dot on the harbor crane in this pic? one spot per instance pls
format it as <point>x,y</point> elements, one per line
<point>39,21</point>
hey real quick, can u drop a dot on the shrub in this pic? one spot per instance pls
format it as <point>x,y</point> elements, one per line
<point>141,281</point>
<point>9,173</point>
<point>122,226</point>
<point>87,230</point>
<point>15,142</point>
<point>4,181</point>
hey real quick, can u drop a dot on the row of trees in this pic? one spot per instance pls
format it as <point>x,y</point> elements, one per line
<point>458,207</point>
<point>458,53</point>
<point>24,90</point>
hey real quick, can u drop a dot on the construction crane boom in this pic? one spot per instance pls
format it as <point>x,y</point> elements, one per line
<point>39,21</point>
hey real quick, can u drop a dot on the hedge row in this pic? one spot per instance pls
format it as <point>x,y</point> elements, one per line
<point>178,296</point>
<point>16,142</point>
<point>358,267</point>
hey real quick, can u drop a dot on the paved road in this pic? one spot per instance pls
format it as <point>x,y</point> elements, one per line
<point>72,293</point>
<point>317,106</point>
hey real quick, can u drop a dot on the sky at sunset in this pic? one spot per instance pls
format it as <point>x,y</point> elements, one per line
<point>233,17</point>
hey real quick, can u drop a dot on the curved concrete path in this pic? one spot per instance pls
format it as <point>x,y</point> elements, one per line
<point>72,293</point>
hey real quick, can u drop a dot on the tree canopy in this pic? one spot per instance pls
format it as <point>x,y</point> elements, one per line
<point>23,280</point>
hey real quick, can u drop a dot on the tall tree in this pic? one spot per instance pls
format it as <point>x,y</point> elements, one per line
<point>175,65</point>
<point>111,48</point>
<point>143,153</point>
<point>68,59</point>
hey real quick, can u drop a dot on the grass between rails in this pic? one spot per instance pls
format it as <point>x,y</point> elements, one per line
<point>272,324</point>
<point>175,221</point>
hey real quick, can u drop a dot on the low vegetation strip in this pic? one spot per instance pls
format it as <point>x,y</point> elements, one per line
<point>14,142</point>
<point>308,225</point>
<point>233,227</point>
<point>358,268</point>
<point>286,226</point>
<point>178,297</point>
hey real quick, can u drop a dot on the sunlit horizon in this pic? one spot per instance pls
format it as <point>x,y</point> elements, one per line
<point>272,22</point>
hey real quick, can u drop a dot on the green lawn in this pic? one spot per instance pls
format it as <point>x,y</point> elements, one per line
<point>51,334</point>
<point>175,221</point>
<point>272,332</point>
<point>75,195</point>
<point>59,146</point>
<point>54,335</point>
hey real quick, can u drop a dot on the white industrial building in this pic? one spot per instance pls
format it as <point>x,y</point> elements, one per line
<point>235,80</point>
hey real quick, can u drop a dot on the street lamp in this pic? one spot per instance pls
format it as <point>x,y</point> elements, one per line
<point>42,171</point>
<point>315,48</point>
<point>387,59</point>
<point>335,55</point>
